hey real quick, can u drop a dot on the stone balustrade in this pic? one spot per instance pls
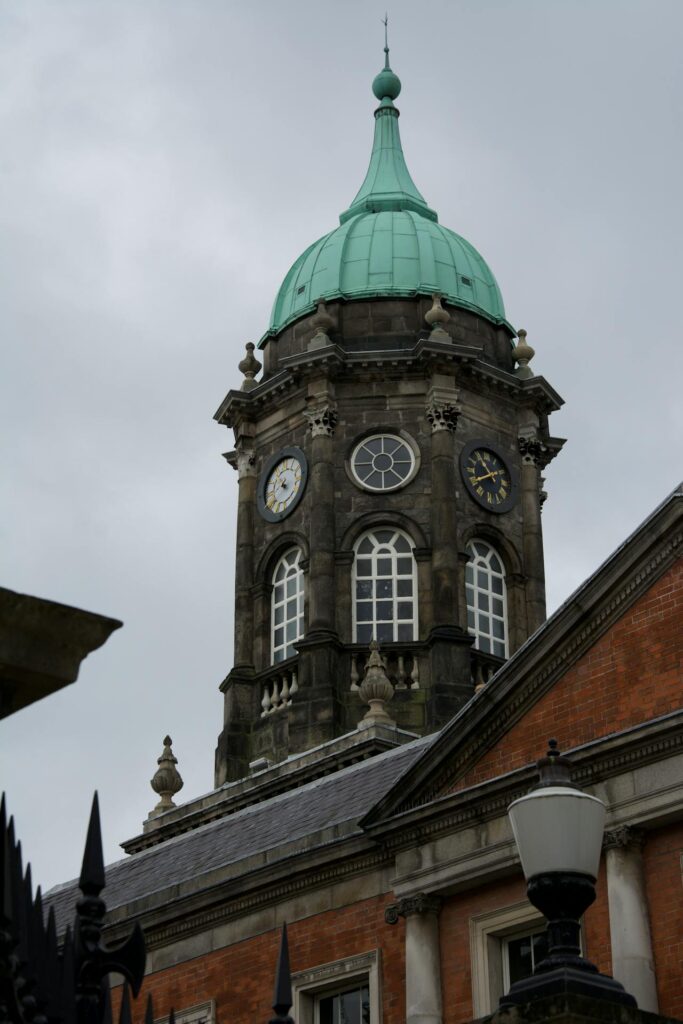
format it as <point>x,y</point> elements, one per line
<point>483,667</point>
<point>402,666</point>
<point>278,688</point>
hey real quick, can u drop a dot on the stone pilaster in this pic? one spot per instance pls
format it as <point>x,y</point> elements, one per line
<point>532,451</point>
<point>448,638</point>
<point>423,958</point>
<point>632,959</point>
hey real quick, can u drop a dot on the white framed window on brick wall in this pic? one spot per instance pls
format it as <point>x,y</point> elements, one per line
<point>494,937</point>
<point>341,992</point>
<point>202,1013</point>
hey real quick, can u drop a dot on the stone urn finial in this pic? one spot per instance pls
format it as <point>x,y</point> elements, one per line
<point>376,691</point>
<point>321,322</point>
<point>436,317</point>
<point>166,780</point>
<point>522,354</point>
<point>249,366</point>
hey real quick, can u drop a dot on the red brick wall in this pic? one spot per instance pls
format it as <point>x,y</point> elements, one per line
<point>456,969</point>
<point>664,887</point>
<point>631,674</point>
<point>240,977</point>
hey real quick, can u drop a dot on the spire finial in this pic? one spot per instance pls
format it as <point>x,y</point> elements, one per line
<point>166,781</point>
<point>385,22</point>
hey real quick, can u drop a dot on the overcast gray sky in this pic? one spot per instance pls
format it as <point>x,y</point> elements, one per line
<point>163,163</point>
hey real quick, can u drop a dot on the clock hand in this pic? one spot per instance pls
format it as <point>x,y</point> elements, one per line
<point>478,479</point>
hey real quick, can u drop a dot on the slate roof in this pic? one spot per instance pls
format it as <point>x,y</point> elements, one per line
<point>340,799</point>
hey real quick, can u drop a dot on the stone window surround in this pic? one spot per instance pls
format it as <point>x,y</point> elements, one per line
<point>202,1013</point>
<point>333,977</point>
<point>487,931</point>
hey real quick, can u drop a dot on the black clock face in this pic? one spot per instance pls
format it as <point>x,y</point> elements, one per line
<point>282,484</point>
<point>487,476</point>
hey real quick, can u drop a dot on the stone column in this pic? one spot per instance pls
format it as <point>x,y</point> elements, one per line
<point>322,417</point>
<point>532,451</point>
<point>632,959</point>
<point>245,462</point>
<point>318,718</point>
<point>448,638</point>
<point>423,956</point>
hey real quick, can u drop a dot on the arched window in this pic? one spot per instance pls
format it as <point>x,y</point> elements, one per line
<point>385,588</point>
<point>287,618</point>
<point>486,599</point>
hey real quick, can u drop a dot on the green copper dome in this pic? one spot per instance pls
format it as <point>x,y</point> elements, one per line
<point>389,242</point>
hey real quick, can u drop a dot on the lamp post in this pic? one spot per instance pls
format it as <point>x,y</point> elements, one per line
<point>558,830</point>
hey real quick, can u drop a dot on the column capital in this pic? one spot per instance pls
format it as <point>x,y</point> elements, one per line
<point>624,837</point>
<point>420,903</point>
<point>442,414</point>
<point>322,419</point>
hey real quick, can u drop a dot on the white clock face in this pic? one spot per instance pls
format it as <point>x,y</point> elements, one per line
<point>283,484</point>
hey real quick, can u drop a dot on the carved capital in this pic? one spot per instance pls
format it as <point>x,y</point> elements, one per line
<point>531,449</point>
<point>624,837</point>
<point>322,420</point>
<point>442,415</point>
<point>244,462</point>
<point>420,903</point>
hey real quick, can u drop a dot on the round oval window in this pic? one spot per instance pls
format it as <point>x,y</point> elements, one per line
<point>382,462</point>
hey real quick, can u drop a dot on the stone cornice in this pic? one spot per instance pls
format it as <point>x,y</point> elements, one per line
<point>424,354</point>
<point>169,915</point>
<point>592,763</point>
<point>542,660</point>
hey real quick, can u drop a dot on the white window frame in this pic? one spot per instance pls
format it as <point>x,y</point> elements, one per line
<point>275,603</point>
<point>394,555</point>
<point>202,1013</point>
<point>389,439</point>
<point>337,976</point>
<point>487,936</point>
<point>475,565</point>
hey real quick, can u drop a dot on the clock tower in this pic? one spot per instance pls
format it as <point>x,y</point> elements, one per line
<point>389,462</point>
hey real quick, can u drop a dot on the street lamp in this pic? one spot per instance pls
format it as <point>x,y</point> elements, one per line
<point>558,830</point>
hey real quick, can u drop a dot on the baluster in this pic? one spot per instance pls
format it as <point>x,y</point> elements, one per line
<point>284,694</point>
<point>479,682</point>
<point>294,687</point>
<point>265,702</point>
<point>354,672</point>
<point>401,682</point>
<point>415,674</point>
<point>275,699</point>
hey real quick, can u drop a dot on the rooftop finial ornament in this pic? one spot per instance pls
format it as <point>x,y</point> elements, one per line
<point>166,780</point>
<point>376,690</point>
<point>249,366</point>
<point>523,353</point>
<point>437,317</point>
<point>386,85</point>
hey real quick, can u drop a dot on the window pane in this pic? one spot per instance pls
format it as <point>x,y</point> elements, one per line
<point>385,588</point>
<point>391,478</point>
<point>279,637</point>
<point>291,609</point>
<point>484,623</point>
<point>497,585</point>
<point>404,566</point>
<point>498,648</point>
<point>278,614</point>
<point>364,588</point>
<point>519,958</point>
<point>385,611</point>
<point>470,619</point>
<point>483,601</point>
<point>384,536</point>
<point>498,629</point>
<point>326,1010</point>
<point>374,445</point>
<point>484,644</point>
<point>364,634</point>
<point>292,630</point>
<point>291,586</point>
<point>405,631</point>
<point>384,567</point>
<point>374,479</point>
<point>539,948</point>
<point>404,609</point>
<point>364,567</point>
<point>482,579</point>
<point>364,611</point>
<point>365,547</point>
<point>497,606</point>
<point>401,544</point>
<point>385,632</point>
<point>404,588</point>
